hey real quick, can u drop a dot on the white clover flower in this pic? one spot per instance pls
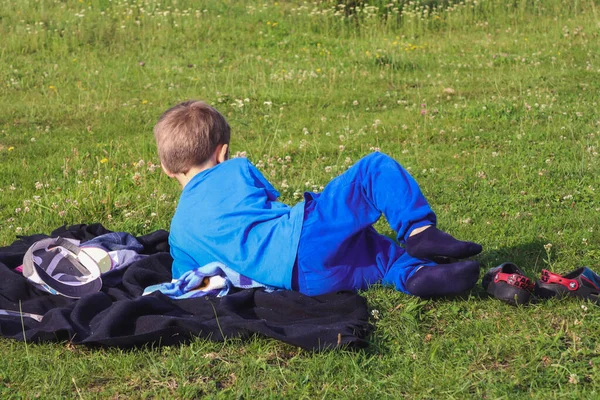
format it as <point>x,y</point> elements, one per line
<point>375,314</point>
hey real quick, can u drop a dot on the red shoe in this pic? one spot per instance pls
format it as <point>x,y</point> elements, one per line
<point>508,283</point>
<point>582,283</point>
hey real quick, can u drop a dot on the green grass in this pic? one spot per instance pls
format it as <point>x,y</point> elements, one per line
<point>492,105</point>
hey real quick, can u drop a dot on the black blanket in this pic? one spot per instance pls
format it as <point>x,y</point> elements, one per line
<point>119,316</point>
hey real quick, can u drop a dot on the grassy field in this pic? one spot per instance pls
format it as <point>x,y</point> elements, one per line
<point>492,104</point>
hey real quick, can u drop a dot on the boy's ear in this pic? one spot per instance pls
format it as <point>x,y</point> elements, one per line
<point>166,171</point>
<point>223,153</point>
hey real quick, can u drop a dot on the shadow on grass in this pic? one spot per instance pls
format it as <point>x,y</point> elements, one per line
<point>528,256</point>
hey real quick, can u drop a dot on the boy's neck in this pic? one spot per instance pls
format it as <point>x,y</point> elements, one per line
<point>185,178</point>
<point>221,154</point>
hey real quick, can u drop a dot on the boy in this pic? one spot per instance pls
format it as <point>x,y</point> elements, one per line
<point>229,212</point>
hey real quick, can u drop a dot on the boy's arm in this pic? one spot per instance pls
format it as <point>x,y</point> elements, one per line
<point>261,181</point>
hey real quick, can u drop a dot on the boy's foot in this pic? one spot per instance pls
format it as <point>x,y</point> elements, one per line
<point>443,280</point>
<point>432,243</point>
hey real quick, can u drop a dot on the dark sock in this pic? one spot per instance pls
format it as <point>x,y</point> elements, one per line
<point>435,243</point>
<point>443,280</point>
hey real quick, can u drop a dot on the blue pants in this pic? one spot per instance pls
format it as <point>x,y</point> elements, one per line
<point>340,250</point>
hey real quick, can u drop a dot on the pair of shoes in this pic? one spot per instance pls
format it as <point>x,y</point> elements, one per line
<point>508,283</point>
<point>582,283</point>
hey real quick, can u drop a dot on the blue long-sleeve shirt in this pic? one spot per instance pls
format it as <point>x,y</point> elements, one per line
<point>229,213</point>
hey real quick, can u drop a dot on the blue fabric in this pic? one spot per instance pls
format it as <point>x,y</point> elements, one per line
<point>116,241</point>
<point>591,276</point>
<point>123,248</point>
<point>214,279</point>
<point>229,214</point>
<point>340,250</point>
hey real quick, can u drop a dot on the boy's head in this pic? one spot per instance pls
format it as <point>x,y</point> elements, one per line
<point>188,134</point>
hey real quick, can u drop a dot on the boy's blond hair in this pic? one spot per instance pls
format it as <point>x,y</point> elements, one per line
<point>188,134</point>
